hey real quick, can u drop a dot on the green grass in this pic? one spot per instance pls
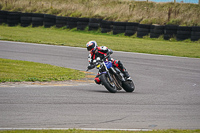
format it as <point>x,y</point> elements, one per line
<point>120,42</point>
<point>86,131</point>
<point>17,71</point>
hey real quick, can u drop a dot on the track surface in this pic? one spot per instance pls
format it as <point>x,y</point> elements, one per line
<point>167,93</point>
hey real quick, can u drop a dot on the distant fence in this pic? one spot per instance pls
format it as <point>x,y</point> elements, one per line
<point>126,28</point>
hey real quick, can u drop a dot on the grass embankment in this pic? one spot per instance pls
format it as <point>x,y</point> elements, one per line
<point>114,10</point>
<point>17,71</point>
<point>87,131</point>
<point>75,38</point>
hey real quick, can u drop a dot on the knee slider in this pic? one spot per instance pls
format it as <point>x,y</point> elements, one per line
<point>97,80</point>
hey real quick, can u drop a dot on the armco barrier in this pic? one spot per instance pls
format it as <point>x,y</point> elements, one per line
<point>128,28</point>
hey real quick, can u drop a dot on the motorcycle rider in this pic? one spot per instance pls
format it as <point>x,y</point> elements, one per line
<point>101,52</point>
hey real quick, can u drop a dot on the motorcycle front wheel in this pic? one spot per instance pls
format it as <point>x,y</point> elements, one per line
<point>110,86</point>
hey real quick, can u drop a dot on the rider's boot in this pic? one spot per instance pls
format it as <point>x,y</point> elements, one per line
<point>118,64</point>
<point>123,70</point>
<point>126,75</point>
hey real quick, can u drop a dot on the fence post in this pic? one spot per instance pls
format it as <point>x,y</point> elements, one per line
<point>174,1</point>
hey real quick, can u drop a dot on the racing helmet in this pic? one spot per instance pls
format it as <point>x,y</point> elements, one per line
<point>91,46</point>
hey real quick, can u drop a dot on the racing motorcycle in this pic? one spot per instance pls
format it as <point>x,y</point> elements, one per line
<point>111,77</point>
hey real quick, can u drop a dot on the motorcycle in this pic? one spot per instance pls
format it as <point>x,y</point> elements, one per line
<point>111,77</point>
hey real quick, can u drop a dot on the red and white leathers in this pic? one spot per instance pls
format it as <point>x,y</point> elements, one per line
<point>101,52</point>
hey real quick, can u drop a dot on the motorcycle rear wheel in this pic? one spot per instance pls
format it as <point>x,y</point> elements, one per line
<point>110,86</point>
<point>128,86</point>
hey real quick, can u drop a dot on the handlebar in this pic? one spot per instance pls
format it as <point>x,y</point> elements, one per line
<point>96,63</point>
<point>106,56</point>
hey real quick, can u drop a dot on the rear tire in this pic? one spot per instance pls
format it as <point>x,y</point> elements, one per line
<point>128,86</point>
<point>110,86</point>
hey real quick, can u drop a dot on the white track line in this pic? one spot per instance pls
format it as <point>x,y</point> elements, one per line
<point>93,129</point>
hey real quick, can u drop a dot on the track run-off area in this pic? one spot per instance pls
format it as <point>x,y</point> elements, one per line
<point>167,94</point>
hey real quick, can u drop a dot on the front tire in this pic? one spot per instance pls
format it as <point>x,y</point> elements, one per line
<point>110,86</point>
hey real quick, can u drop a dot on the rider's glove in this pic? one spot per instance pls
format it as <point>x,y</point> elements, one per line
<point>91,66</point>
<point>108,54</point>
<point>110,51</point>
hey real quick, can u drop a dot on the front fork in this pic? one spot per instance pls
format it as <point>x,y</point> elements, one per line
<point>109,76</point>
<point>118,73</point>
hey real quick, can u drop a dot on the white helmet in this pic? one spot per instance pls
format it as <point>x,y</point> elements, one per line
<point>91,46</point>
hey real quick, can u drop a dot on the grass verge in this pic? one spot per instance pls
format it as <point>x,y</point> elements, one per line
<point>119,42</point>
<point>17,71</point>
<point>87,131</point>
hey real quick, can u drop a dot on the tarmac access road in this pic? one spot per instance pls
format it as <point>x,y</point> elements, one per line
<point>167,94</point>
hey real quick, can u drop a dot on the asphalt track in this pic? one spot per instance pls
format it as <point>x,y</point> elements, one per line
<point>167,93</point>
